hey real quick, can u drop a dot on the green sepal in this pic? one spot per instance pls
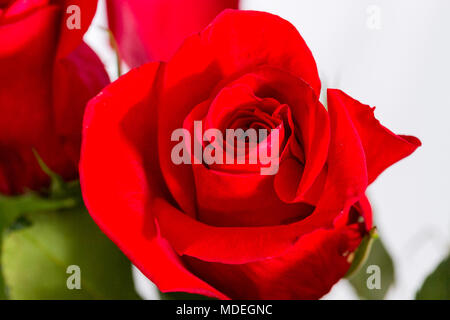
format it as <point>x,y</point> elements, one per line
<point>362,253</point>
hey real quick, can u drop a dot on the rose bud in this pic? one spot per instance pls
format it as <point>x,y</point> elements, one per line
<point>152,30</point>
<point>47,75</point>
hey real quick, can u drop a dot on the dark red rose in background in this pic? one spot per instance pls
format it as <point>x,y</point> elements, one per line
<point>47,74</point>
<point>226,230</point>
<point>151,30</point>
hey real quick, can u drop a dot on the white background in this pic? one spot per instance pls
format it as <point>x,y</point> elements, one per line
<point>395,55</point>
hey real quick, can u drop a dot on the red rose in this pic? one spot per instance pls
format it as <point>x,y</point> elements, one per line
<point>226,230</point>
<point>47,75</point>
<point>151,30</point>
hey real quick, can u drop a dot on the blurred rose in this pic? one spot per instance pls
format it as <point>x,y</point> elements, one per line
<point>151,30</point>
<point>47,74</point>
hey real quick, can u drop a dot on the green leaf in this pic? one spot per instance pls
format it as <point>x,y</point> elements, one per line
<point>378,257</point>
<point>36,259</point>
<point>437,285</point>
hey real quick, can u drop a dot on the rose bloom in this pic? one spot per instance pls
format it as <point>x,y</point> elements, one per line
<point>152,30</point>
<point>47,75</point>
<point>225,230</point>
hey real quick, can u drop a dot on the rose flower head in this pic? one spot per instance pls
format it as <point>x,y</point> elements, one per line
<point>194,209</point>
<point>47,75</point>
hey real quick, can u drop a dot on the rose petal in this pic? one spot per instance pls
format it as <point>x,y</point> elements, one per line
<point>235,42</point>
<point>77,78</point>
<point>152,30</point>
<point>28,117</point>
<point>382,147</point>
<point>238,200</point>
<point>21,7</point>
<point>345,185</point>
<point>310,124</point>
<point>316,262</point>
<point>118,200</point>
<point>69,39</point>
<point>24,77</point>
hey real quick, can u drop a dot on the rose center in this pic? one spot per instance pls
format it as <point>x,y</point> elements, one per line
<point>253,118</point>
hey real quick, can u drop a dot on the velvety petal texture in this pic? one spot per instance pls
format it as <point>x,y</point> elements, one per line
<point>47,75</point>
<point>225,229</point>
<point>152,30</point>
<point>237,41</point>
<point>128,220</point>
<point>382,147</point>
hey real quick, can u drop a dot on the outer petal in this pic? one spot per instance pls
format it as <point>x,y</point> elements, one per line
<point>234,43</point>
<point>382,147</point>
<point>152,30</point>
<point>241,40</point>
<point>307,271</point>
<point>70,39</point>
<point>77,78</point>
<point>26,55</point>
<point>16,10</point>
<point>114,182</point>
